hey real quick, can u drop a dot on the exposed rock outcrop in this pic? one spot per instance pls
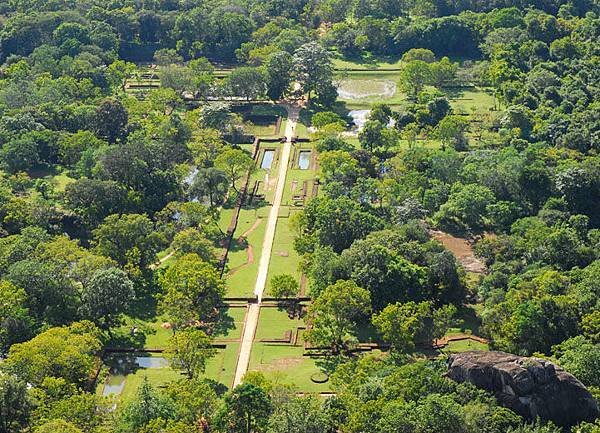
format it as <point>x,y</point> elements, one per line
<point>531,387</point>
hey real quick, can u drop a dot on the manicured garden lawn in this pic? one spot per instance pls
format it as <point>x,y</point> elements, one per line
<point>274,322</point>
<point>232,323</point>
<point>379,64</point>
<point>284,259</point>
<point>285,364</point>
<point>222,366</point>
<point>258,130</point>
<point>157,377</point>
<point>242,275</point>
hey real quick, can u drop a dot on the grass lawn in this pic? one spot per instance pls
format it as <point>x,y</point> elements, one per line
<point>366,64</point>
<point>132,378</point>
<point>285,364</point>
<point>222,366</point>
<point>284,259</point>
<point>157,377</point>
<point>274,322</point>
<point>232,322</point>
<point>464,346</point>
<point>242,274</point>
<point>470,100</point>
<point>258,130</point>
<point>149,334</point>
<point>60,181</point>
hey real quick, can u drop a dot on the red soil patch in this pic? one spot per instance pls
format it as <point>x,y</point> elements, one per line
<point>462,250</point>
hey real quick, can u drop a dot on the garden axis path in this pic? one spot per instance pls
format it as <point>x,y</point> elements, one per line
<point>251,320</point>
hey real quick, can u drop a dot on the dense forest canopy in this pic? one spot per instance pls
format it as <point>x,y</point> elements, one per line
<point>134,197</point>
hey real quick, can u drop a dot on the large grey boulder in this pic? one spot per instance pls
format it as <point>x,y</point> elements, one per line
<point>531,387</point>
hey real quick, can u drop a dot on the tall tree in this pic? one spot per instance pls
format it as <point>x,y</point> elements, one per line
<point>189,350</point>
<point>312,68</point>
<point>334,314</point>
<point>279,71</point>
<point>246,409</point>
<point>413,77</point>
<point>128,239</point>
<point>14,404</point>
<point>236,163</point>
<point>192,289</point>
<point>111,119</point>
<point>106,296</point>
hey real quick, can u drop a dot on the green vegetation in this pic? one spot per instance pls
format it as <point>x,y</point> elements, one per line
<point>127,131</point>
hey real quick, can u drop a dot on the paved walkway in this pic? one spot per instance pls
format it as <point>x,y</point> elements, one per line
<point>251,321</point>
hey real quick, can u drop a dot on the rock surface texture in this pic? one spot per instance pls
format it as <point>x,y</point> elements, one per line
<point>531,387</point>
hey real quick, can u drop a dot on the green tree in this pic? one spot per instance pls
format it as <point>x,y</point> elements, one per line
<point>451,131</point>
<point>413,77</point>
<point>190,241</point>
<point>334,314</point>
<point>421,54</point>
<point>192,289</point>
<point>15,322</point>
<point>236,163</point>
<point>129,239</point>
<point>19,154</point>
<point>67,352</point>
<point>111,119</point>
<point>146,406</point>
<point>443,73</point>
<point>189,350</point>
<point>246,82</point>
<point>299,415</point>
<point>465,208</point>
<point>246,409</point>
<point>51,297</point>
<point>284,286</point>
<point>194,399</point>
<point>404,326</point>
<point>210,185</point>
<point>312,68</point>
<point>72,146</point>
<point>339,166</point>
<point>323,118</point>
<point>377,137</point>
<point>581,358</point>
<point>15,404</point>
<point>94,199</point>
<point>106,296</point>
<point>57,425</point>
<point>279,72</point>
<point>336,223</point>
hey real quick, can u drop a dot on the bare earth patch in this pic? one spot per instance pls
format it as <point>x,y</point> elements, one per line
<point>281,364</point>
<point>461,249</point>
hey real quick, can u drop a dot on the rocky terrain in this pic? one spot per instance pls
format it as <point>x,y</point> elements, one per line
<point>531,387</point>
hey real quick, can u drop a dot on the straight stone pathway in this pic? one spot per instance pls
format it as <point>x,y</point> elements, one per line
<point>251,320</point>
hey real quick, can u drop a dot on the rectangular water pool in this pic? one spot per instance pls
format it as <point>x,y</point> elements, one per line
<point>304,159</point>
<point>267,160</point>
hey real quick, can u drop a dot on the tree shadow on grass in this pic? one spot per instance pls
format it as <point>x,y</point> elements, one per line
<point>222,324</point>
<point>129,337</point>
<point>329,363</point>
